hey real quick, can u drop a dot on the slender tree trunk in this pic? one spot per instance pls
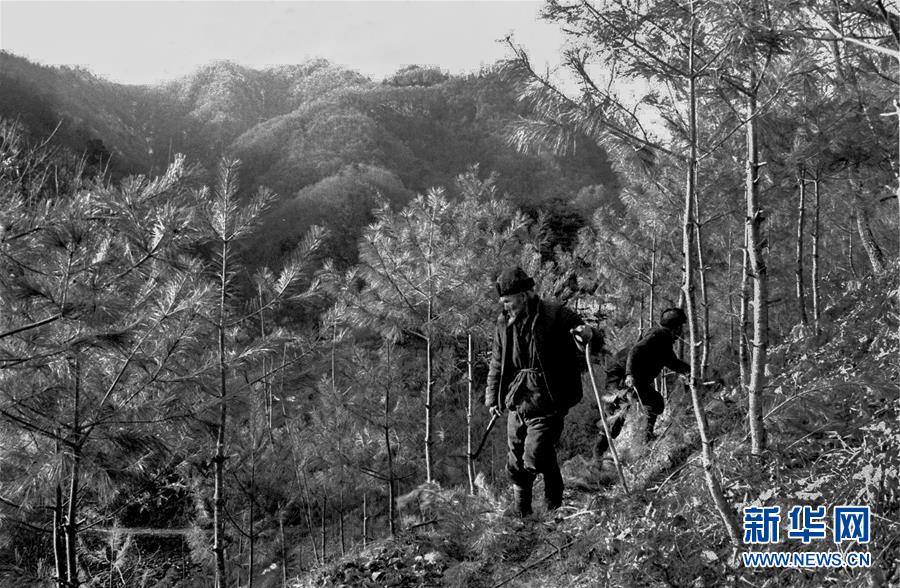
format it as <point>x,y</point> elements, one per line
<point>732,343</point>
<point>651,312</point>
<point>267,387</point>
<point>72,519</point>
<point>251,537</point>
<point>470,383</point>
<point>323,528</point>
<point>221,578</point>
<point>284,559</point>
<point>814,278</point>
<point>428,391</point>
<point>641,317</point>
<point>300,477</point>
<point>652,309</point>
<point>341,520</point>
<point>71,528</point>
<point>897,112</point>
<point>365,519</point>
<point>760,282</point>
<point>240,553</point>
<point>850,253</point>
<point>704,292</point>
<point>59,550</point>
<point>309,520</point>
<point>112,564</point>
<point>429,474</point>
<point>690,221</point>
<point>340,449</point>
<point>744,320</point>
<point>801,222</point>
<point>869,244</point>
<point>392,509</point>
<point>392,504</point>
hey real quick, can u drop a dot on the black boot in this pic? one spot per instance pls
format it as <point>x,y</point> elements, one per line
<point>522,500</point>
<point>553,489</point>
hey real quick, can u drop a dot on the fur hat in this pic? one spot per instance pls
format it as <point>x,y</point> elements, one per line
<point>513,281</point>
<point>672,318</point>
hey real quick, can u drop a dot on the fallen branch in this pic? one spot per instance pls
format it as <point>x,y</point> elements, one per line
<point>423,524</point>
<point>535,564</point>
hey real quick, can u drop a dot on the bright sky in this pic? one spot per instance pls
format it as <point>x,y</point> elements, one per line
<point>137,41</point>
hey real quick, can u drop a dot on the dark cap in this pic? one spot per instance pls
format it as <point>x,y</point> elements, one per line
<point>672,318</point>
<point>513,281</point>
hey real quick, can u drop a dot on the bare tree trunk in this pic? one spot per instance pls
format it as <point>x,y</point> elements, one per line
<point>71,528</point>
<point>850,252</point>
<point>72,520</point>
<point>221,578</point>
<point>801,221</point>
<point>690,221</point>
<point>897,106</point>
<point>251,538</point>
<point>392,500</point>
<point>323,528</point>
<point>240,551</point>
<point>267,387</point>
<point>704,292</point>
<point>392,504</point>
<point>59,551</point>
<point>814,278</point>
<point>309,524</point>
<point>429,474</point>
<point>732,343</point>
<point>652,309</point>
<point>284,559</point>
<point>470,462</point>
<point>365,519</point>
<point>428,415</point>
<point>760,282</point>
<point>641,318</point>
<point>869,244</point>
<point>112,564</point>
<point>744,320</point>
<point>341,520</point>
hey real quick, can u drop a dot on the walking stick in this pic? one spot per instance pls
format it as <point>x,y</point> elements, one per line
<point>487,432</point>
<point>612,446</point>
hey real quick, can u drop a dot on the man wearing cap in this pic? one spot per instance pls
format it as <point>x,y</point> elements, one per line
<point>642,364</point>
<point>648,357</point>
<point>535,373</point>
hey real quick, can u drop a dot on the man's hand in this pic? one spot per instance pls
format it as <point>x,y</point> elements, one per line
<point>629,381</point>
<point>583,334</point>
<point>495,410</point>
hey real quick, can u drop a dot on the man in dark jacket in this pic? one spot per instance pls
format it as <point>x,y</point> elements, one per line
<point>642,364</point>
<point>535,372</point>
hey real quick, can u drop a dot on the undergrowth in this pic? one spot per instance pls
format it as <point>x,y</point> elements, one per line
<point>833,425</point>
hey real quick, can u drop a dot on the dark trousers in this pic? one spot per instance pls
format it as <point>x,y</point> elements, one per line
<point>532,450</point>
<point>653,404</point>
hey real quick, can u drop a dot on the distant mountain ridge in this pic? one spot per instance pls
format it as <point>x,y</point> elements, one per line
<point>296,126</point>
<point>330,111</point>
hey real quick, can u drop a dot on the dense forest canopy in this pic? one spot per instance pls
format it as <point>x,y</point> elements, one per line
<point>247,313</point>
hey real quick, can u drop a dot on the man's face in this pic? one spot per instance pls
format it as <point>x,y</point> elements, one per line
<point>514,304</point>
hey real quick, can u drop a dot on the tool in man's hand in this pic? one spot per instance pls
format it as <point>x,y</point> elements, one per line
<point>487,432</point>
<point>612,446</point>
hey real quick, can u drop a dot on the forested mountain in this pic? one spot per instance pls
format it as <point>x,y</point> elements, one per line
<point>295,126</point>
<point>271,373</point>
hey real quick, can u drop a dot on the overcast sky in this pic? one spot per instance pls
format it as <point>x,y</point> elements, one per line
<point>137,42</point>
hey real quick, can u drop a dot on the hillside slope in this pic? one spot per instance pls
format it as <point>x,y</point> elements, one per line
<point>833,417</point>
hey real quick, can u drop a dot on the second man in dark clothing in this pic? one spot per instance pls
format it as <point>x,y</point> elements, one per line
<point>643,363</point>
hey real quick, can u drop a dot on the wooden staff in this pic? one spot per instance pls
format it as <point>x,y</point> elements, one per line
<point>612,446</point>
